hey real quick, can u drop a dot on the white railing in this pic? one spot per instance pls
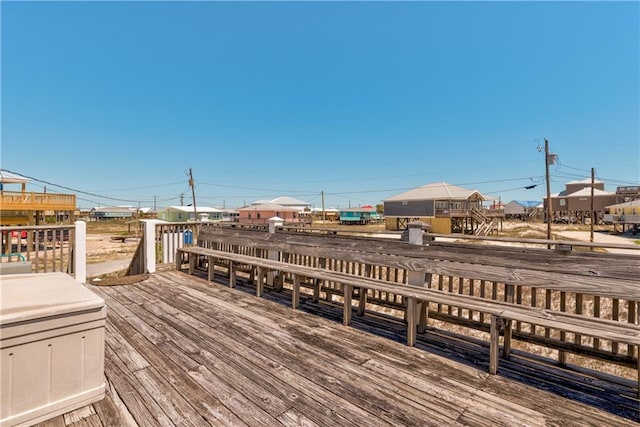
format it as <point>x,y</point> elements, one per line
<point>47,248</point>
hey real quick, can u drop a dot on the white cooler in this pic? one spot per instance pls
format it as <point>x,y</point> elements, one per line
<point>51,347</point>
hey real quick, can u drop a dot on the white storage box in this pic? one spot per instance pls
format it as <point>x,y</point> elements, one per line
<point>51,347</point>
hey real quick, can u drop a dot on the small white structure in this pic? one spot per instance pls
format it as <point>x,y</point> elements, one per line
<point>51,347</point>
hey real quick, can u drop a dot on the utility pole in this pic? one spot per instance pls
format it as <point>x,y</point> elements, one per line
<point>548,159</point>
<point>323,216</point>
<point>593,214</point>
<point>154,203</point>
<point>182,199</point>
<point>193,195</point>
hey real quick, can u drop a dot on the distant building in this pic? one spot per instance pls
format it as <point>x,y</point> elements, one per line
<point>446,207</point>
<point>626,215</point>
<point>260,213</point>
<point>628,193</point>
<point>112,212</point>
<point>186,213</point>
<point>285,201</point>
<point>522,209</point>
<point>329,214</point>
<point>574,202</point>
<point>22,207</point>
<point>362,215</point>
<point>229,215</point>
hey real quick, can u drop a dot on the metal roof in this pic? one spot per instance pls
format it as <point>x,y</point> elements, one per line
<point>12,178</point>
<point>584,181</point>
<point>586,192</point>
<point>437,191</point>
<point>269,207</point>
<point>289,201</point>
<point>200,209</point>
<point>632,203</point>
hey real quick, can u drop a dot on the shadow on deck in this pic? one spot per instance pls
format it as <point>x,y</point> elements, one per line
<point>180,351</point>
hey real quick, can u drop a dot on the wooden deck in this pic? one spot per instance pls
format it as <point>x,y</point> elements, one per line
<point>181,351</point>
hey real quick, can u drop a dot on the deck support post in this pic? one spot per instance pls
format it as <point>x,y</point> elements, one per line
<point>295,295</point>
<point>211,265</point>
<point>232,274</point>
<point>348,294</point>
<point>178,260</point>
<point>508,330</point>
<point>363,302</point>
<point>411,321</point>
<point>260,281</point>
<point>149,245</point>
<point>273,277</point>
<point>417,278</point>
<point>494,345</point>
<point>80,252</point>
<point>193,259</point>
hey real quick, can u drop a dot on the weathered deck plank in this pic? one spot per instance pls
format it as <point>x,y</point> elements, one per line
<point>182,351</point>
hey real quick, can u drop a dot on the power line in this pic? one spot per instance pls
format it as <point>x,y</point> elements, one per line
<point>75,190</point>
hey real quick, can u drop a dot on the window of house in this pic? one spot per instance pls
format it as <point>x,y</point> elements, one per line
<point>563,202</point>
<point>258,215</point>
<point>179,216</point>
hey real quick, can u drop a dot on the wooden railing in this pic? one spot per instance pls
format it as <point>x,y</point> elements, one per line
<point>47,248</point>
<point>19,201</point>
<point>588,284</point>
<point>453,213</point>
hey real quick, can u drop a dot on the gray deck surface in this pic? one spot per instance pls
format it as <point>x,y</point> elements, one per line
<point>181,351</point>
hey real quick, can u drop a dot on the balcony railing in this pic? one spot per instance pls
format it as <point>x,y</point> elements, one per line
<point>461,213</point>
<point>19,201</point>
<point>627,219</point>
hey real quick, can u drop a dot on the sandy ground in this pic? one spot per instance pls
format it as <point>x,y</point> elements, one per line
<point>105,256</point>
<point>601,237</point>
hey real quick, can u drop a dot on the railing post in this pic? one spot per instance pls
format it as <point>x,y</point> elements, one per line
<point>80,252</point>
<point>149,237</point>
<point>416,278</point>
<point>273,255</point>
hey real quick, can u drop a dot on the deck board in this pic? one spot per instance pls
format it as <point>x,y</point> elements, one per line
<point>182,351</point>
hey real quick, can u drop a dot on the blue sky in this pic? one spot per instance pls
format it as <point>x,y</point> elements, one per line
<point>361,100</point>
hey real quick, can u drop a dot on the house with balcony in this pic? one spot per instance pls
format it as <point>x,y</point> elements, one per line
<point>625,215</point>
<point>361,215</point>
<point>575,201</point>
<point>446,207</point>
<point>21,207</point>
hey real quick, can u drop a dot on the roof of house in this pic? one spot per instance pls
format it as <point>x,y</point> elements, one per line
<point>283,201</point>
<point>586,192</point>
<point>11,178</point>
<point>527,203</point>
<point>289,201</point>
<point>113,209</point>
<point>632,203</point>
<point>360,209</point>
<point>268,207</point>
<point>327,210</point>
<point>584,181</point>
<point>189,209</point>
<point>437,190</point>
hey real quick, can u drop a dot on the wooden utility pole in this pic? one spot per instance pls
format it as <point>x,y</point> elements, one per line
<point>549,210</point>
<point>593,214</point>
<point>193,195</point>
<point>323,216</point>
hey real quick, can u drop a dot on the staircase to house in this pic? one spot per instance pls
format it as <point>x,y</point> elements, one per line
<point>485,225</point>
